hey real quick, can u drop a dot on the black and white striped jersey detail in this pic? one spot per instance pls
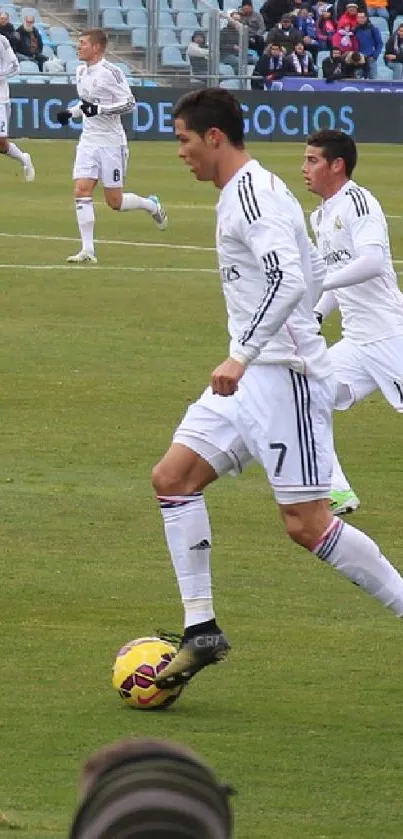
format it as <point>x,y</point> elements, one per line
<point>247,198</point>
<point>116,73</point>
<point>359,200</point>
<point>329,540</point>
<point>271,264</point>
<point>267,299</point>
<point>306,437</point>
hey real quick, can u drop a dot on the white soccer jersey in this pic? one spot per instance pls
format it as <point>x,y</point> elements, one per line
<point>345,223</point>
<point>105,85</point>
<point>266,270</point>
<point>8,67</point>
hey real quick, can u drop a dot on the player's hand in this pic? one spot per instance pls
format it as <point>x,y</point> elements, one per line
<point>63,117</point>
<point>89,109</point>
<point>225,378</point>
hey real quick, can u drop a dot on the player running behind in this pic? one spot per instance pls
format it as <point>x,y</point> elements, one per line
<point>102,151</point>
<point>9,66</point>
<point>272,398</point>
<point>352,236</point>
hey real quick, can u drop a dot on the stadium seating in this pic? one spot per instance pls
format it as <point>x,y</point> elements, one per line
<point>28,67</point>
<point>171,57</point>
<point>167,38</point>
<point>183,6</point>
<point>137,18</point>
<point>81,5</point>
<point>71,66</point>
<point>113,19</point>
<point>231,84</point>
<point>139,38</point>
<point>47,50</point>
<point>109,4</point>
<point>381,23</point>
<point>226,70</point>
<point>398,21</point>
<point>165,19</point>
<point>186,37</point>
<point>127,5</point>
<point>187,20</point>
<point>59,35</point>
<point>66,52</point>
<point>59,80</point>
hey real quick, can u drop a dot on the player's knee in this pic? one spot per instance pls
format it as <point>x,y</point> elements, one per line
<point>301,532</point>
<point>168,480</point>
<point>81,192</point>
<point>3,145</point>
<point>114,201</point>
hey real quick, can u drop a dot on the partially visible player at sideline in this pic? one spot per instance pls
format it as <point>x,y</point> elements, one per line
<point>352,235</point>
<point>271,399</point>
<point>9,66</point>
<point>102,151</point>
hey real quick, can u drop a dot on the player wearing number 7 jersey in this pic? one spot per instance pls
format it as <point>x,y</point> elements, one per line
<point>102,152</point>
<point>271,399</point>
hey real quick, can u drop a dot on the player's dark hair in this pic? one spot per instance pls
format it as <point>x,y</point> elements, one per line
<point>213,107</point>
<point>335,144</point>
<point>96,36</point>
<point>151,789</point>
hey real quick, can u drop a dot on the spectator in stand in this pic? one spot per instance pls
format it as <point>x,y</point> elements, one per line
<point>395,9</point>
<point>269,67</point>
<point>305,23</point>
<point>273,10</point>
<point>325,29</point>
<point>378,8</point>
<point>345,40</point>
<point>284,34</point>
<point>30,44</point>
<point>355,66</point>
<point>333,66</point>
<point>255,23</point>
<point>393,56</point>
<point>197,52</point>
<point>349,17</point>
<point>7,29</point>
<point>229,41</point>
<point>299,62</point>
<point>370,42</point>
<point>340,7</point>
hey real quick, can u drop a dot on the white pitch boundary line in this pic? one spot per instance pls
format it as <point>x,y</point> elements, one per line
<point>91,268</point>
<point>167,245</point>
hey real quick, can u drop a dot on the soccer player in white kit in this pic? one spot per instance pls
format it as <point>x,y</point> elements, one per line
<point>102,151</point>
<point>352,235</point>
<point>9,66</point>
<point>271,399</point>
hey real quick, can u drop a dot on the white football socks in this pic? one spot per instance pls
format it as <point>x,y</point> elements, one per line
<point>356,556</point>
<point>86,222</point>
<point>188,535</point>
<point>131,201</point>
<point>339,480</point>
<point>14,151</point>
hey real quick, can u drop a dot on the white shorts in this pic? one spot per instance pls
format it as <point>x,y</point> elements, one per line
<point>278,417</point>
<point>5,110</point>
<point>362,368</point>
<point>107,164</point>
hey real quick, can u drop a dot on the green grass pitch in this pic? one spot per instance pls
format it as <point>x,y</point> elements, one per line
<point>97,366</point>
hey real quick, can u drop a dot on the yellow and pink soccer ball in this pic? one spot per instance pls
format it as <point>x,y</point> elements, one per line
<point>136,666</point>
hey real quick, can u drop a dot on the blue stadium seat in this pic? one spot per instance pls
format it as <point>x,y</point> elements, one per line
<point>381,23</point>
<point>186,37</point>
<point>71,66</point>
<point>113,19</point>
<point>81,5</point>
<point>137,18</point>
<point>165,19</point>
<point>66,52</point>
<point>183,6</point>
<point>398,21</point>
<point>132,4</point>
<point>226,70</point>
<point>231,84</point>
<point>167,38</point>
<point>187,20</point>
<point>36,80</point>
<point>59,80</point>
<point>139,38</point>
<point>384,73</point>
<point>47,50</point>
<point>171,57</point>
<point>109,4</point>
<point>59,35</point>
<point>28,67</point>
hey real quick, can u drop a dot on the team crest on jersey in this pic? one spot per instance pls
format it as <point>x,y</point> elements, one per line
<point>338,224</point>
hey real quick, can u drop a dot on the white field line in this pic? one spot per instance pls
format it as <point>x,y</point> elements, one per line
<point>166,245</point>
<point>90,268</point>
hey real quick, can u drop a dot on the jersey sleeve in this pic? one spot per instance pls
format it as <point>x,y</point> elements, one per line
<point>365,219</point>
<point>9,65</point>
<point>267,231</point>
<point>114,94</point>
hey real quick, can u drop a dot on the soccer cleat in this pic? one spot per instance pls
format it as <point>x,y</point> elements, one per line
<point>193,654</point>
<point>29,169</point>
<point>343,502</point>
<point>82,256</point>
<point>160,217</point>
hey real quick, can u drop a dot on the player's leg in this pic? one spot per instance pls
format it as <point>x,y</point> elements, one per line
<point>114,166</point>
<point>85,176</point>
<point>353,384</point>
<point>298,463</point>
<point>385,361</point>
<point>11,149</point>
<point>205,446</point>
